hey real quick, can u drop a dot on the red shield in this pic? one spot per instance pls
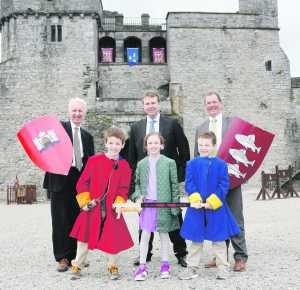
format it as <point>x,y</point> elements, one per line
<point>244,147</point>
<point>47,144</point>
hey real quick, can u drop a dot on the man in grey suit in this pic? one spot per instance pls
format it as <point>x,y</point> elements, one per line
<point>219,124</point>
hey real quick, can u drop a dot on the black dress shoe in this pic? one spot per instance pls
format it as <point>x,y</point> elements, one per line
<point>137,260</point>
<point>182,262</point>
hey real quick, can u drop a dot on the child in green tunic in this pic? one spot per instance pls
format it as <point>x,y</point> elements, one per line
<point>156,180</point>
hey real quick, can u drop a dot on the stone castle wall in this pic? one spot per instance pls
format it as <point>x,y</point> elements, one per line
<point>265,7</point>
<point>129,82</point>
<point>296,122</point>
<point>13,6</point>
<point>232,61</point>
<point>39,77</point>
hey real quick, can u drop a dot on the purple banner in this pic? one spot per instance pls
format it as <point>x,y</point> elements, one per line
<point>107,55</point>
<point>158,55</point>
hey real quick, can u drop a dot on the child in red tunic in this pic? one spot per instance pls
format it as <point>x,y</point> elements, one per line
<point>104,181</point>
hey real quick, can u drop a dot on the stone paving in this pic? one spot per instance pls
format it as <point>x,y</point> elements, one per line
<point>273,236</point>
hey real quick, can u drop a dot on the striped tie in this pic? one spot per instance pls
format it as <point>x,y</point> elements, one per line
<point>152,128</point>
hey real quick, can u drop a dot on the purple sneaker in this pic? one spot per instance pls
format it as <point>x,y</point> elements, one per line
<point>165,270</point>
<point>141,273</point>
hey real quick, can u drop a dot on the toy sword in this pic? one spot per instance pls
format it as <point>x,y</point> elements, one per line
<point>165,204</point>
<point>136,207</point>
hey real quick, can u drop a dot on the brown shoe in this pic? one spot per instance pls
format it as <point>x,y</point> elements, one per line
<point>63,265</point>
<point>211,264</point>
<point>239,266</point>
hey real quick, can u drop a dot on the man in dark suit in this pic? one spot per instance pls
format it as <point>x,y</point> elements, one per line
<point>62,189</point>
<point>176,147</point>
<point>219,124</point>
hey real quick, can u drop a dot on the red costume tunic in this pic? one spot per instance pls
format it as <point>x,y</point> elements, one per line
<point>115,236</point>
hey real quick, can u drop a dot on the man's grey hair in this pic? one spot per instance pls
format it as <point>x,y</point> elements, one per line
<point>77,100</point>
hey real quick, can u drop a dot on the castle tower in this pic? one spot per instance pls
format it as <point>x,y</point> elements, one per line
<point>264,7</point>
<point>49,55</point>
<point>238,55</point>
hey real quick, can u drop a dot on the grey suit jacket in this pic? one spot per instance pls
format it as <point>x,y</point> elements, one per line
<point>204,127</point>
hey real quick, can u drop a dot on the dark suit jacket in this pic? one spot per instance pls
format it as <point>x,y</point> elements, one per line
<point>55,182</point>
<point>176,147</point>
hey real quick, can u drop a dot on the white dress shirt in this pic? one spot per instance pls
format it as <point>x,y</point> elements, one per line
<point>219,129</point>
<point>156,124</point>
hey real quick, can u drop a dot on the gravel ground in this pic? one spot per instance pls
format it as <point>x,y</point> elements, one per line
<point>273,237</point>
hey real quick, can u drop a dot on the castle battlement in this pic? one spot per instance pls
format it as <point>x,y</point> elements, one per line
<point>9,7</point>
<point>206,20</point>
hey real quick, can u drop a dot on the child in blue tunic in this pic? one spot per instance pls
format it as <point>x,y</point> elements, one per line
<point>209,217</point>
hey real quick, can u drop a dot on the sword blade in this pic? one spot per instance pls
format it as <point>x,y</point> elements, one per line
<point>165,204</point>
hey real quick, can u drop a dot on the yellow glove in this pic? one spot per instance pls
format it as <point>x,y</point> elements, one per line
<point>83,198</point>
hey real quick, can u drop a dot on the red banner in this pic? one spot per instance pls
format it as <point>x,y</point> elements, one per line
<point>244,147</point>
<point>47,144</point>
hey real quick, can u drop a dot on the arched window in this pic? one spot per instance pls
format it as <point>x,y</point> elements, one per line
<point>132,42</point>
<point>107,50</point>
<point>158,50</point>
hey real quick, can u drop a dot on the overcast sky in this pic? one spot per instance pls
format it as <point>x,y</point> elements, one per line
<point>289,18</point>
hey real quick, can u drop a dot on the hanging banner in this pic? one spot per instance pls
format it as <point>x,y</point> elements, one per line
<point>107,55</point>
<point>47,144</point>
<point>158,55</point>
<point>133,55</point>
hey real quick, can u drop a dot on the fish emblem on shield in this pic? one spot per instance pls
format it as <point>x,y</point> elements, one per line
<point>244,147</point>
<point>241,157</point>
<point>248,142</point>
<point>233,169</point>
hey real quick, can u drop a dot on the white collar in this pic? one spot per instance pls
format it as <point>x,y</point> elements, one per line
<point>155,119</point>
<point>73,126</point>
<point>218,118</point>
